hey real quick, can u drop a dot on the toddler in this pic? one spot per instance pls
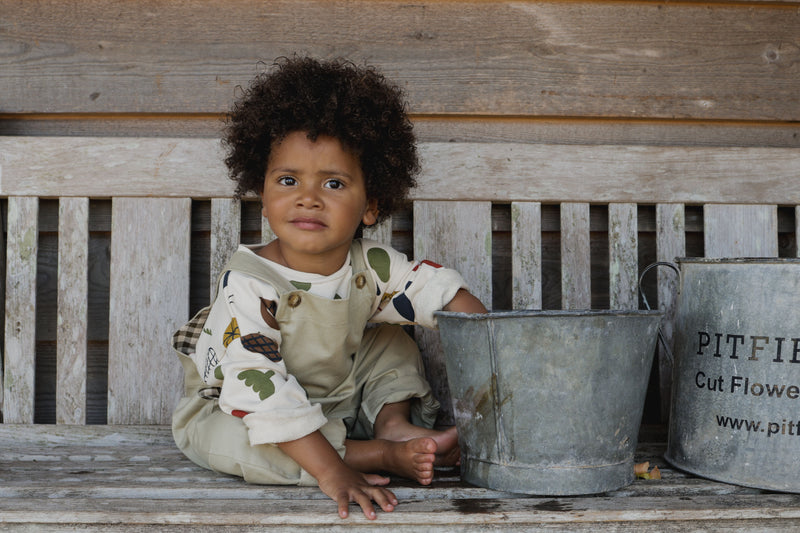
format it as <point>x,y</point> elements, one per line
<point>284,381</point>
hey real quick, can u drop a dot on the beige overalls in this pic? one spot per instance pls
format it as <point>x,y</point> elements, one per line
<point>352,372</point>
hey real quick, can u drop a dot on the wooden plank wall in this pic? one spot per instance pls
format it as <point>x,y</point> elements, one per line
<point>638,75</point>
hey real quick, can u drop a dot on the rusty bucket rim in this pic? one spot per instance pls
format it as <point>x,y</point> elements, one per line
<point>738,260</point>
<point>522,313</point>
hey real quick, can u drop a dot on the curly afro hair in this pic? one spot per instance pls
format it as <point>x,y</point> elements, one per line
<point>336,98</point>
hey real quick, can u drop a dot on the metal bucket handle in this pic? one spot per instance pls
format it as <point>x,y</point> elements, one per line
<point>674,267</point>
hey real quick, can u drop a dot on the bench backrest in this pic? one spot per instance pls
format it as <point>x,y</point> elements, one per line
<point>627,116</point>
<point>142,226</point>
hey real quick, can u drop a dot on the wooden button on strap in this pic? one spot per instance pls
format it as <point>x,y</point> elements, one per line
<point>294,300</point>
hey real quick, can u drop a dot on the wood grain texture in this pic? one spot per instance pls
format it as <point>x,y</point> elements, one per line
<point>623,251</point>
<point>550,58</point>
<point>438,128</point>
<point>526,258</point>
<point>133,478</point>
<point>226,230</point>
<point>100,168</point>
<point>456,235</point>
<point>670,245</point>
<point>797,230</point>
<point>576,292</point>
<point>20,306</point>
<point>599,174</point>
<point>380,232</point>
<point>106,167</point>
<point>149,301</point>
<point>3,308</point>
<point>740,230</point>
<point>73,301</point>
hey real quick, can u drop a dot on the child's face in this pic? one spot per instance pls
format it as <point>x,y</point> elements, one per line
<point>314,198</point>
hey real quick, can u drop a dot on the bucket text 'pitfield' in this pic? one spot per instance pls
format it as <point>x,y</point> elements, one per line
<point>732,345</point>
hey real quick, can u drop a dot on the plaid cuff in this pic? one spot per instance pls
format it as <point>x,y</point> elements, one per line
<point>185,339</point>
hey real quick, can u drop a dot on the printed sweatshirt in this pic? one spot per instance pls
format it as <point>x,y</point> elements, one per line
<point>239,352</point>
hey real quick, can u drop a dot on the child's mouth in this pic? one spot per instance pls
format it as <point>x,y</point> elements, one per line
<point>308,223</point>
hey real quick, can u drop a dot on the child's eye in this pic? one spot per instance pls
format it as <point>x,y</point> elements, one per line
<point>287,180</point>
<point>334,184</point>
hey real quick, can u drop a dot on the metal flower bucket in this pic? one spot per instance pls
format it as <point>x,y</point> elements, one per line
<point>548,402</point>
<point>735,413</point>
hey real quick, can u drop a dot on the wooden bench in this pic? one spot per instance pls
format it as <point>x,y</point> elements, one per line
<point>112,242</point>
<point>589,139</point>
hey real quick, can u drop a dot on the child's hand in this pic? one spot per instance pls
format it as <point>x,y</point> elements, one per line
<point>345,485</point>
<point>342,483</point>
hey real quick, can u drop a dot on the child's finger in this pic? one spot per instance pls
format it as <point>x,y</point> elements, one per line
<point>385,499</point>
<point>343,502</point>
<point>364,501</point>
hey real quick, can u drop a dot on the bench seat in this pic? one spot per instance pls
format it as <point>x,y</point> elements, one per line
<point>106,254</point>
<point>133,478</point>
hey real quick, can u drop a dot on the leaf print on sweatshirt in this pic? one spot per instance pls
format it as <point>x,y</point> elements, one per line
<point>301,285</point>
<point>378,259</point>
<point>259,381</point>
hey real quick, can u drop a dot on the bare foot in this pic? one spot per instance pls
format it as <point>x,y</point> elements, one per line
<point>447,451</point>
<point>412,459</point>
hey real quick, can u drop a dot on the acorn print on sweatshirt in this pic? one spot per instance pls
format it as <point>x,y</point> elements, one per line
<point>258,343</point>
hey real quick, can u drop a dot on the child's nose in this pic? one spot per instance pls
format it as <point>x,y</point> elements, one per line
<point>308,196</point>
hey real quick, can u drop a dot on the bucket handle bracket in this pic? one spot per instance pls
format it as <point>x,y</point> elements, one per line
<point>649,267</point>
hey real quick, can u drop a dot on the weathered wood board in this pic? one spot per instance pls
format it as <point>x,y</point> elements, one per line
<point>107,167</point>
<point>133,478</point>
<point>149,301</point>
<point>680,60</point>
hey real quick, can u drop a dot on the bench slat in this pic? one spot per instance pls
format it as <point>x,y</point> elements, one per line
<point>670,244</point>
<point>226,231</point>
<point>552,173</point>
<point>797,230</point>
<point>457,235</point>
<point>20,345</point>
<point>741,513</point>
<point>73,302</point>
<point>526,258</point>
<point>149,272</point>
<point>575,257</point>
<point>623,247</point>
<point>380,232</point>
<point>740,230</point>
<point>46,166</point>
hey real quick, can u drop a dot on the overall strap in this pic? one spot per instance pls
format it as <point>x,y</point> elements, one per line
<point>357,257</point>
<point>255,267</point>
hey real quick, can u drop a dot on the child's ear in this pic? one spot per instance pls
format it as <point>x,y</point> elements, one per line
<point>371,213</point>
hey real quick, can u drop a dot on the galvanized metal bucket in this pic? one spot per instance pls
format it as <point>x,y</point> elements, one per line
<point>548,402</point>
<point>735,412</point>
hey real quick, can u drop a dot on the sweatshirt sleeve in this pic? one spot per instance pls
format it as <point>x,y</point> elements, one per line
<point>239,353</point>
<point>409,292</point>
